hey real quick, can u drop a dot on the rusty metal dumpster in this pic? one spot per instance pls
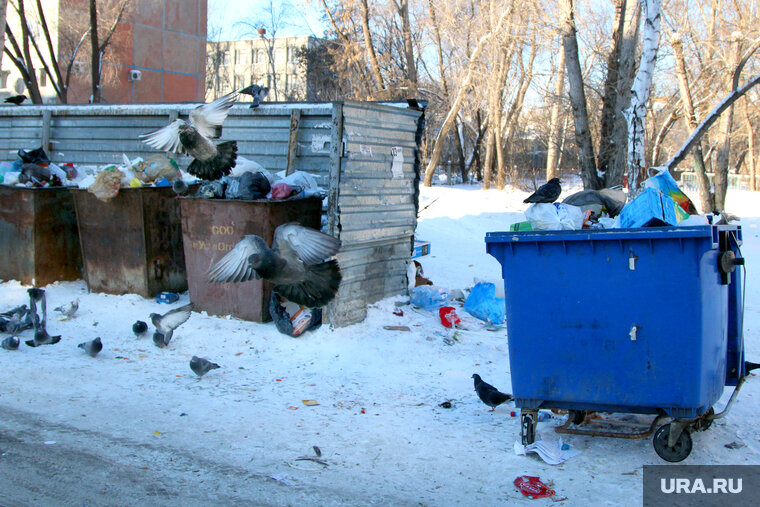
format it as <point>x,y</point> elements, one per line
<point>133,242</point>
<point>211,228</point>
<point>39,243</point>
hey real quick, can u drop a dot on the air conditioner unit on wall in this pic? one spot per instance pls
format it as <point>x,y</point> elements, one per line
<point>135,75</point>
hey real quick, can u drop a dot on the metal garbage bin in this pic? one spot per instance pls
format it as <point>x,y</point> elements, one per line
<point>644,321</point>
<point>39,243</point>
<point>132,244</point>
<point>212,227</point>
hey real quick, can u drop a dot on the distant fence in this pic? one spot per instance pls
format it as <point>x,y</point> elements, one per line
<point>735,181</point>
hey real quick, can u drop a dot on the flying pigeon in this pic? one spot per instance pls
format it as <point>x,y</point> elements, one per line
<point>195,138</point>
<point>488,394</point>
<point>257,92</point>
<point>10,343</point>
<point>297,264</point>
<point>168,322</point>
<point>201,365</point>
<point>41,337</point>
<point>16,99</point>
<point>548,192</point>
<point>139,328</point>
<point>92,347</point>
<point>68,310</point>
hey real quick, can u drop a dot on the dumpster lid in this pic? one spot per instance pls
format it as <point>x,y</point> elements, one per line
<point>672,232</point>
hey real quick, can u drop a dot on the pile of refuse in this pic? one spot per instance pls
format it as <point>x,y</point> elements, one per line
<point>660,203</point>
<point>247,181</point>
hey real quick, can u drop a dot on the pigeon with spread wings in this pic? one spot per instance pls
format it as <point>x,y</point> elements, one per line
<point>195,137</point>
<point>297,264</point>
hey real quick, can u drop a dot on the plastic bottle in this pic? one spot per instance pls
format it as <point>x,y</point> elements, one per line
<point>428,296</point>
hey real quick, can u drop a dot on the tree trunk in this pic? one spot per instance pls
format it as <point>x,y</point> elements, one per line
<point>3,10</point>
<point>706,202</point>
<point>577,94</point>
<point>552,152</point>
<point>637,112</point>
<point>487,165</point>
<point>406,34</point>
<point>370,48</point>
<point>461,93</point>
<point>32,85</point>
<point>664,129</point>
<point>750,151</point>
<point>95,46</point>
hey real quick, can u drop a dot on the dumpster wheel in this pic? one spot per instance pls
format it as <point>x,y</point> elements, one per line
<point>680,449</point>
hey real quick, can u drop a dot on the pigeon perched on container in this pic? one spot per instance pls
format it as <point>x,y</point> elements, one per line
<point>168,322</point>
<point>68,310</point>
<point>10,343</point>
<point>258,93</point>
<point>548,192</point>
<point>92,347</point>
<point>488,394</point>
<point>195,136</point>
<point>297,264</point>
<point>139,328</point>
<point>201,365</point>
<point>16,99</point>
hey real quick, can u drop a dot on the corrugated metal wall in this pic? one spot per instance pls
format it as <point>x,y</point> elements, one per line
<point>365,154</point>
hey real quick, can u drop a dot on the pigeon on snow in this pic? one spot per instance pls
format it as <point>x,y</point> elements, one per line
<point>68,310</point>
<point>92,347</point>
<point>258,93</point>
<point>297,264</point>
<point>10,343</point>
<point>168,322</point>
<point>488,394</point>
<point>41,336</point>
<point>195,136</point>
<point>548,192</point>
<point>16,320</point>
<point>139,328</point>
<point>201,365</point>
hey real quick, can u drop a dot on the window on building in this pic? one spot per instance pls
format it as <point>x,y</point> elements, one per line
<point>261,56</point>
<point>42,79</point>
<point>4,78</point>
<point>241,56</point>
<point>292,84</point>
<point>226,58</point>
<point>278,56</point>
<point>292,55</point>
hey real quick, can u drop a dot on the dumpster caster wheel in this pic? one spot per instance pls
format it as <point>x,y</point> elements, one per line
<point>528,420</point>
<point>678,452</point>
<point>577,416</point>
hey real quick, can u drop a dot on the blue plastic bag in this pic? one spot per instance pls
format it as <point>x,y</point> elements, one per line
<point>428,296</point>
<point>483,304</point>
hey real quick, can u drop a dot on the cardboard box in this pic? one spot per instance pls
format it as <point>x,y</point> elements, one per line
<point>421,248</point>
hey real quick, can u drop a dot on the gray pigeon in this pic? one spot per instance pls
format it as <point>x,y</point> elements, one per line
<point>297,264</point>
<point>41,337</point>
<point>10,343</point>
<point>68,310</point>
<point>92,347</point>
<point>195,136</point>
<point>201,365</point>
<point>488,394</point>
<point>168,322</point>
<point>257,92</point>
<point>139,328</point>
<point>548,192</point>
<point>16,320</point>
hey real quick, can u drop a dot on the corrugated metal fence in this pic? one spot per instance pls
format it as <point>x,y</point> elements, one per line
<point>365,154</point>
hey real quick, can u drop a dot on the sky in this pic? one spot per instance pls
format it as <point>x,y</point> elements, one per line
<point>304,18</point>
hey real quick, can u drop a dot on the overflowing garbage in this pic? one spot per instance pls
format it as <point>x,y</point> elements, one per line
<point>660,203</point>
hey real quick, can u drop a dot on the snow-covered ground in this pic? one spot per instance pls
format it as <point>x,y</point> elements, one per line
<point>383,435</point>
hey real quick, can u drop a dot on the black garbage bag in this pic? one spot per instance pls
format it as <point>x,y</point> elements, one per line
<point>301,320</point>
<point>247,186</point>
<point>211,190</point>
<point>37,156</point>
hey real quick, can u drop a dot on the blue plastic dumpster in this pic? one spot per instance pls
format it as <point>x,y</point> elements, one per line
<point>643,321</point>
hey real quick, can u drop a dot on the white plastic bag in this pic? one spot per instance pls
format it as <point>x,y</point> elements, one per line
<point>554,217</point>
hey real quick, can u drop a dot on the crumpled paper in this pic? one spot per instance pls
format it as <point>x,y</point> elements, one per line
<point>551,452</point>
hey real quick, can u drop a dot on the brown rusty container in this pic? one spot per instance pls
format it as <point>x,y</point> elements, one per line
<point>211,228</point>
<point>132,244</point>
<point>38,236</point>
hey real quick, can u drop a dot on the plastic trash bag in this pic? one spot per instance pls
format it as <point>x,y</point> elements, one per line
<point>37,156</point>
<point>612,200</point>
<point>665,183</point>
<point>211,190</point>
<point>291,319</point>
<point>428,296</point>
<point>554,217</point>
<point>483,304</point>
<point>106,185</point>
<point>247,186</point>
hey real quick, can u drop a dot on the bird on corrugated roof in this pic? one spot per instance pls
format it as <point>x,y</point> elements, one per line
<point>258,93</point>
<point>195,137</point>
<point>16,99</point>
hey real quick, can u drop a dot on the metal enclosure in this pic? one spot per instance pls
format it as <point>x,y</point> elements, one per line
<point>365,155</point>
<point>39,243</point>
